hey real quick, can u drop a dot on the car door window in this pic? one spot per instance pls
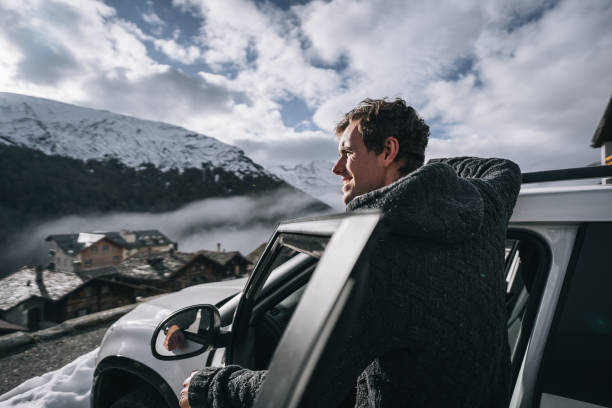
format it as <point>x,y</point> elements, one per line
<point>577,363</point>
<point>527,266</point>
<point>275,292</point>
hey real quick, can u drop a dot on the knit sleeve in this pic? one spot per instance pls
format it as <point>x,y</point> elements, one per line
<point>225,387</point>
<point>501,176</point>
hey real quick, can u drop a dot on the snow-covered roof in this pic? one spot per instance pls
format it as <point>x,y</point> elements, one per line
<point>73,244</point>
<point>222,258</point>
<point>158,266</point>
<point>22,285</point>
<point>87,238</point>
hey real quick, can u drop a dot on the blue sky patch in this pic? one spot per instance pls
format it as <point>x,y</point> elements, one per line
<point>294,111</point>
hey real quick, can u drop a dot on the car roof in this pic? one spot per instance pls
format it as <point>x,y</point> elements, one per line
<point>577,203</point>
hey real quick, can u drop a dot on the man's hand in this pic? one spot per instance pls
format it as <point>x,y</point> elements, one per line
<point>174,338</point>
<point>184,396</point>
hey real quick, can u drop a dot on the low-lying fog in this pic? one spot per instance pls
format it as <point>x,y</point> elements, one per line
<point>239,223</point>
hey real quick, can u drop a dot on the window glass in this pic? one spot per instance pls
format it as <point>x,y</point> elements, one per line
<point>285,271</point>
<point>94,249</point>
<point>525,264</point>
<point>577,363</point>
<point>274,310</point>
<point>510,243</point>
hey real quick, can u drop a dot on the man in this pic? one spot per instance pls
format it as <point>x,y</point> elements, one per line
<point>434,332</point>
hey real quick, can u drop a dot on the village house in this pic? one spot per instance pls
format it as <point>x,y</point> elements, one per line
<point>172,270</point>
<point>254,256</point>
<point>232,264</point>
<point>36,297</point>
<point>85,251</point>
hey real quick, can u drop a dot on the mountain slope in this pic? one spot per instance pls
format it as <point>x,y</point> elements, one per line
<point>82,133</point>
<point>315,178</point>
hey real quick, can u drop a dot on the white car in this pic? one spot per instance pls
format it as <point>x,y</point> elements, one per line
<point>559,274</point>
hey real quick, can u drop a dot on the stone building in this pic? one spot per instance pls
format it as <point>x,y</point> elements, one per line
<point>93,250</point>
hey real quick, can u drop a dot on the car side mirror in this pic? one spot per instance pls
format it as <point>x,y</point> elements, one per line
<point>188,332</point>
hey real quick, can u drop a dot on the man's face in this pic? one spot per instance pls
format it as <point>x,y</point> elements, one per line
<point>361,169</point>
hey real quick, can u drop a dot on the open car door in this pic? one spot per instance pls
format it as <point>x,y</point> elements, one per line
<point>303,371</point>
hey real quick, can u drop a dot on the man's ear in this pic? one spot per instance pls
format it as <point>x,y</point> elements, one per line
<point>390,150</point>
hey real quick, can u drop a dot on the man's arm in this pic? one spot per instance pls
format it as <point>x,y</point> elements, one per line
<point>224,387</point>
<point>174,330</point>
<point>501,176</point>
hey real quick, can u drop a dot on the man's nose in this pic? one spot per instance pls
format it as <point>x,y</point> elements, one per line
<point>338,168</point>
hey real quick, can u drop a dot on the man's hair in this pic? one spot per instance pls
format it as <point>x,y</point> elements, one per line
<point>379,119</point>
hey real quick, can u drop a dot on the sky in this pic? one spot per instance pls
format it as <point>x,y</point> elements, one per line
<point>524,79</point>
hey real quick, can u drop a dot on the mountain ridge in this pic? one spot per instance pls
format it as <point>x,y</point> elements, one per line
<point>55,127</point>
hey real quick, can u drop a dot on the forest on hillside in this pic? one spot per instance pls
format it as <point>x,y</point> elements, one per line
<point>35,187</point>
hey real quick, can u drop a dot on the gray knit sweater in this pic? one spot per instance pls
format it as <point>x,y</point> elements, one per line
<point>434,334</point>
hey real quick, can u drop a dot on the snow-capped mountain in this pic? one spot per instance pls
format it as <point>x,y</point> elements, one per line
<point>68,130</point>
<point>315,178</point>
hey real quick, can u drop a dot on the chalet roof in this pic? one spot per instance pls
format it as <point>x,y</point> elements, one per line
<point>70,243</point>
<point>144,238</point>
<point>98,272</point>
<point>158,266</point>
<point>603,133</point>
<point>222,258</point>
<point>75,243</point>
<point>255,254</point>
<point>22,285</point>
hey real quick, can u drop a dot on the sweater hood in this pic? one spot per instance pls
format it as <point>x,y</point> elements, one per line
<point>432,203</point>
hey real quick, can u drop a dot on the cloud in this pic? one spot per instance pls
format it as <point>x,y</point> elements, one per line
<point>239,223</point>
<point>83,34</point>
<point>82,53</point>
<point>527,80</point>
<point>170,47</point>
<point>291,151</point>
<point>536,94</point>
<point>43,59</point>
<point>151,18</point>
<point>266,53</point>
<point>184,54</point>
<point>169,96</point>
<point>391,48</point>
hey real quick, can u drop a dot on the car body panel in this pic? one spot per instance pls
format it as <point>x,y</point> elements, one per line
<point>564,204</point>
<point>130,336</point>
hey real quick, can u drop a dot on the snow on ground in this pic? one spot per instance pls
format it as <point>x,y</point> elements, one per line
<point>68,387</point>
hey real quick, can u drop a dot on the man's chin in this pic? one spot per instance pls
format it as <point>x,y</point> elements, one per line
<point>347,198</point>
